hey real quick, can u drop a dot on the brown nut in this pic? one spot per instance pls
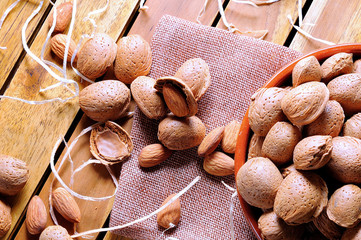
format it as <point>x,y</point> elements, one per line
<point>255,146</point>
<point>258,181</point>
<point>303,104</point>
<point>134,58</point>
<point>110,143</point>
<point>153,155</point>
<point>55,233</point>
<point>195,73</point>
<point>306,70</point>
<point>280,142</point>
<point>66,205</point>
<point>352,127</point>
<point>352,233</point>
<point>329,122</point>
<point>149,101</point>
<point>177,95</point>
<point>327,227</point>
<point>230,136</point>
<point>170,215</point>
<point>105,100</point>
<point>287,170</point>
<point>211,141</point>
<point>181,133</point>
<point>265,109</point>
<point>344,206</point>
<point>58,44</point>
<point>301,197</point>
<point>274,228</point>
<point>14,174</point>
<point>345,163</point>
<point>96,56</point>
<point>340,63</point>
<point>63,16</point>
<point>312,152</point>
<point>357,66</point>
<point>218,164</point>
<point>5,218</point>
<point>346,90</point>
<point>36,216</point>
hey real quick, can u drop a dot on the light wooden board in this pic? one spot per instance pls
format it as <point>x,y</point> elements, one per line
<point>29,132</point>
<point>334,21</point>
<point>271,17</point>
<point>10,33</point>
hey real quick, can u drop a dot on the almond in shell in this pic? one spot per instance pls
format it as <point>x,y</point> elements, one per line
<point>177,95</point>
<point>96,56</point>
<point>66,205</point>
<point>211,141</point>
<point>255,146</point>
<point>148,99</point>
<point>352,126</point>
<point>58,44</point>
<point>153,155</point>
<point>170,215</point>
<point>229,140</point>
<point>63,16</point>
<point>105,100</point>
<point>133,58</point>
<point>36,216</point>
<point>55,233</point>
<point>340,63</point>
<point>218,164</point>
<point>110,143</point>
<point>306,70</point>
<point>195,73</point>
<point>5,218</point>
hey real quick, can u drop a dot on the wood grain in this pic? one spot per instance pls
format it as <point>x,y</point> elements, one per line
<point>10,33</point>
<point>271,17</point>
<point>29,132</point>
<point>333,21</point>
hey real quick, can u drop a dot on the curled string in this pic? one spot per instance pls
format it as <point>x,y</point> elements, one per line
<point>202,11</point>
<point>142,6</point>
<point>300,17</point>
<point>143,218</point>
<point>255,3</point>
<point>231,209</point>
<point>171,225</point>
<point>6,13</point>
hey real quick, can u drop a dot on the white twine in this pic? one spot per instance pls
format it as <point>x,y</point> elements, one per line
<point>231,209</point>
<point>255,3</point>
<point>300,17</point>
<point>306,34</point>
<point>142,6</point>
<point>171,225</point>
<point>202,11</point>
<point>6,13</point>
<point>143,218</point>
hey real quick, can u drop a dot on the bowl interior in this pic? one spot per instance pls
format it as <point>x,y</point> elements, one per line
<point>278,79</point>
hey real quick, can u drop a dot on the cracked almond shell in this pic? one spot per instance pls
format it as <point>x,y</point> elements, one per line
<point>344,206</point>
<point>345,163</point>
<point>5,218</point>
<point>306,70</point>
<point>346,90</point>
<point>149,101</point>
<point>255,146</point>
<point>258,181</point>
<point>305,103</point>
<point>301,197</point>
<point>340,63</point>
<point>177,95</point>
<point>96,56</point>
<point>265,109</point>
<point>195,73</point>
<point>110,143</point>
<point>105,100</point>
<point>329,122</point>
<point>55,233</point>
<point>352,126</point>
<point>312,152</point>
<point>181,133</point>
<point>133,58</point>
<point>14,174</point>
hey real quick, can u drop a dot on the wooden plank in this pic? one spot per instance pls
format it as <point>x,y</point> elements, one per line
<point>271,17</point>
<point>334,21</point>
<point>10,34</point>
<point>29,132</point>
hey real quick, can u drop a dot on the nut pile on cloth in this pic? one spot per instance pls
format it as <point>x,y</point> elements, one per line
<point>238,66</point>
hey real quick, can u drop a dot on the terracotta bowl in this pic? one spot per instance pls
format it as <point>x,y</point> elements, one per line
<point>282,77</point>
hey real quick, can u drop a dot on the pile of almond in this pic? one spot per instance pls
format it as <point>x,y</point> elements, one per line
<point>304,158</point>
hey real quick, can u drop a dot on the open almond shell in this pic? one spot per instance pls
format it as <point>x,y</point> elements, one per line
<point>110,143</point>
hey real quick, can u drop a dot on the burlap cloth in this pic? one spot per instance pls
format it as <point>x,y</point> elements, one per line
<point>239,66</point>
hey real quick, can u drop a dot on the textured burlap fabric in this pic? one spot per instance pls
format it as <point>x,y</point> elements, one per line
<point>239,66</point>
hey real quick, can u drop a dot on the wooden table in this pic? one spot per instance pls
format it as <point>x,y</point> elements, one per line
<point>29,132</point>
